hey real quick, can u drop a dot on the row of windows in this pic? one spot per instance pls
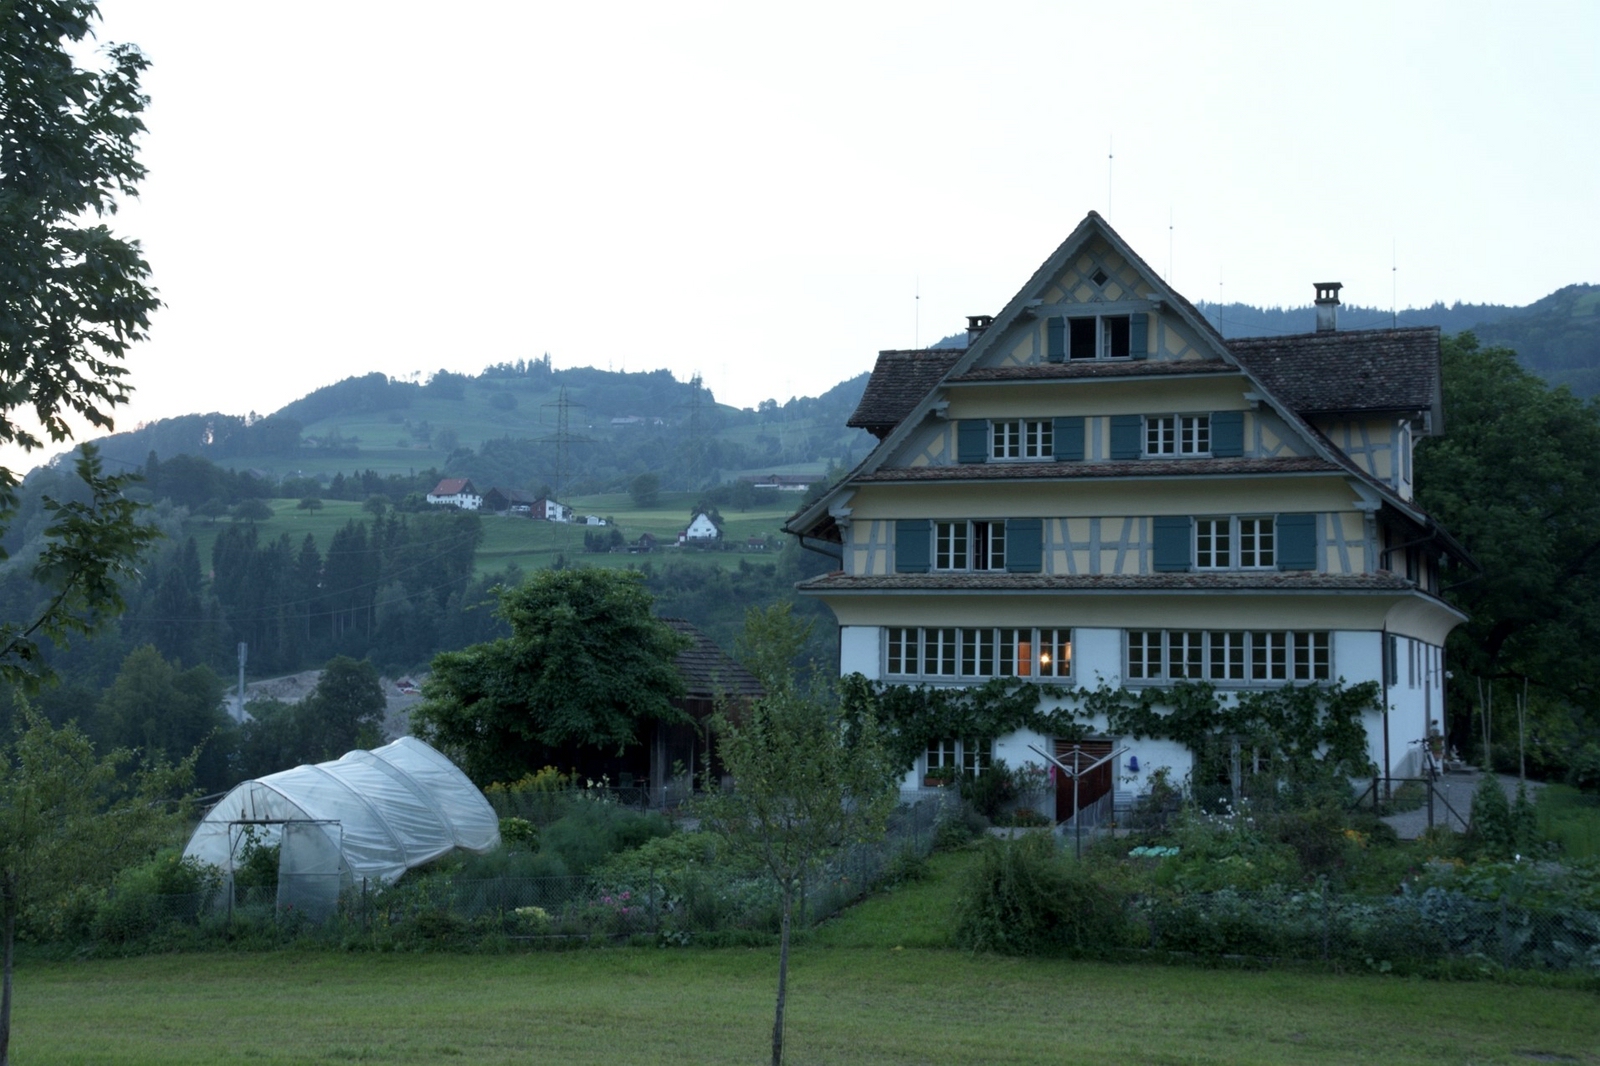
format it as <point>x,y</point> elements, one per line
<point>1228,655</point>
<point>1247,542</point>
<point>1238,656</point>
<point>954,653</point>
<point>1035,439</point>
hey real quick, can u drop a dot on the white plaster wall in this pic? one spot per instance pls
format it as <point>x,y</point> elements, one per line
<point>858,651</point>
<point>1097,657</point>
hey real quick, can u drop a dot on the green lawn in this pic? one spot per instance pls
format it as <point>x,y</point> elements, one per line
<point>855,1005</point>
<point>872,986</point>
<point>1570,818</point>
<point>532,545</point>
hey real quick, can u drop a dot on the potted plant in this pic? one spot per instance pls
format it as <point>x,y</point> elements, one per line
<point>939,776</point>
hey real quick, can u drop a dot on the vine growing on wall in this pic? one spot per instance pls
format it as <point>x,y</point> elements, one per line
<point>1301,735</point>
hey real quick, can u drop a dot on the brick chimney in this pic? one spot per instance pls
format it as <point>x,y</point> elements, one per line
<point>1327,305</point>
<point>976,324</point>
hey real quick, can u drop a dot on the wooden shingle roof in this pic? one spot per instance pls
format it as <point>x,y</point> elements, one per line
<point>899,381</point>
<point>709,672</point>
<point>1347,371</point>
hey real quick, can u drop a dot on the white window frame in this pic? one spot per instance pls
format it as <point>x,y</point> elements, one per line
<point>974,544</point>
<point>1228,658</point>
<point>1236,542</point>
<point>976,653</point>
<point>1016,439</point>
<point>967,756</point>
<point>1177,435</point>
<point>1103,336</point>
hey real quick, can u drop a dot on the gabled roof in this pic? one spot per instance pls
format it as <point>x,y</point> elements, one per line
<point>1349,371</point>
<point>898,381</point>
<point>451,486</point>
<point>709,672</point>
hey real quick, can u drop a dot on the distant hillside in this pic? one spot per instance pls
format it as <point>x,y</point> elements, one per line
<point>1557,337</point>
<point>522,425</point>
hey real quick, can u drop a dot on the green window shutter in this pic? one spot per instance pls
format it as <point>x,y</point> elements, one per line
<point>1139,336</point>
<point>1227,434</point>
<point>1068,438</point>
<point>1170,534</point>
<point>972,440</point>
<point>1055,332</point>
<point>913,543</point>
<point>1125,433</point>
<point>1025,545</point>
<point>1297,541</point>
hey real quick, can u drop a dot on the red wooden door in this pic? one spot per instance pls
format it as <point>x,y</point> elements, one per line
<point>1092,785</point>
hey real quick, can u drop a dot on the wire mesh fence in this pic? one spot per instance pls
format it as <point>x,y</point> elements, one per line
<point>673,904</point>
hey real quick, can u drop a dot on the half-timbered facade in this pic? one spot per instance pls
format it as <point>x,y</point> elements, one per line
<point>1101,489</point>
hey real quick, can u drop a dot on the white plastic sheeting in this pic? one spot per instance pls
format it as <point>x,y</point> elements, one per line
<point>381,811</point>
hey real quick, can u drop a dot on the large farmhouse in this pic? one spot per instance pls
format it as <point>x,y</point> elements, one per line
<point>1100,490</point>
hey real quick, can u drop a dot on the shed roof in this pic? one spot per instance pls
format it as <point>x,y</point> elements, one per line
<point>708,671</point>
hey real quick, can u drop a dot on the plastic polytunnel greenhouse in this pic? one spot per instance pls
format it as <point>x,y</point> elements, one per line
<point>367,817</point>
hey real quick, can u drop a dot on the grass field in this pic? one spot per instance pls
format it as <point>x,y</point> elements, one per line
<point>1570,818</point>
<point>532,545</point>
<point>862,991</point>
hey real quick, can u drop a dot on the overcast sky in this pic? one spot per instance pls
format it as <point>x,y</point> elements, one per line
<point>759,192</point>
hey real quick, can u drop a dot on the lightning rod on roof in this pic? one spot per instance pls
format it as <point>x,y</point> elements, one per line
<point>1394,286</point>
<point>1108,175</point>
<point>916,315</point>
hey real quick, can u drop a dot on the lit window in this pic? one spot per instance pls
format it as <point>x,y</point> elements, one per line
<point>948,654</point>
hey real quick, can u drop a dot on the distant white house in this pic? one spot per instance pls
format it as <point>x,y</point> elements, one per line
<point>593,520</point>
<point>551,511</point>
<point>456,492</point>
<point>786,482</point>
<point>701,531</point>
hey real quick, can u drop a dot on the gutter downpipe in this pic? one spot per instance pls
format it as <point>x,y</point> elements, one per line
<point>1383,664</point>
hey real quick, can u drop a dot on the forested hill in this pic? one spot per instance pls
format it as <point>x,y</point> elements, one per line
<point>517,425</point>
<point>1557,337</point>
<point>507,426</point>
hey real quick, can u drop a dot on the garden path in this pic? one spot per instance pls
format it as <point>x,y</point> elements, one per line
<point>1455,790</point>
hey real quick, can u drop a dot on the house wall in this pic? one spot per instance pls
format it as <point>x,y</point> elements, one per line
<point>1098,655</point>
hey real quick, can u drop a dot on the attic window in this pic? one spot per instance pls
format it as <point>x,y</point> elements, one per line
<point>1099,277</point>
<point>1106,337</point>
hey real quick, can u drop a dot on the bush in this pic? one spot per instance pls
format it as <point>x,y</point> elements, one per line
<point>1584,773</point>
<point>591,831</point>
<point>991,791</point>
<point>167,889</point>
<point>1025,898</point>
<point>519,834</point>
<point>1501,830</point>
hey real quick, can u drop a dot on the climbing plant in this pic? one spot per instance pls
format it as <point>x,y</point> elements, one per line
<point>1303,737</point>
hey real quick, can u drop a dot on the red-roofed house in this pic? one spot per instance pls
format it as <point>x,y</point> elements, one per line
<point>456,492</point>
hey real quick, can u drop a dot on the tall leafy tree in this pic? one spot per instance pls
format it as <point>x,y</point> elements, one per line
<point>69,817</point>
<point>166,712</point>
<point>1516,478</point>
<point>586,668</point>
<point>73,298</point>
